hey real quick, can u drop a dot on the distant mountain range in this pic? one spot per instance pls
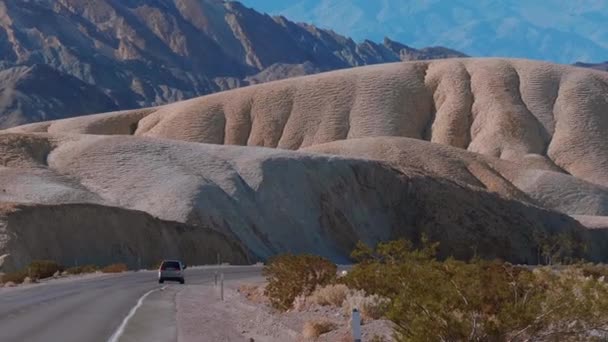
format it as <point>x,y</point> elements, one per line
<point>598,66</point>
<point>563,31</point>
<point>60,58</point>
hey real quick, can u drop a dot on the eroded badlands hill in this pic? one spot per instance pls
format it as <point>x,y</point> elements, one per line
<point>545,114</point>
<point>271,201</point>
<point>467,150</point>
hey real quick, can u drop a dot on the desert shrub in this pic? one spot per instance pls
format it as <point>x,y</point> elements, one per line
<point>41,269</point>
<point>559,248</point>
<point>115,268</point>
<point>289,276</point>
<point>314,329</point>
<point>82,269</point>
<point>371,307</point>
<point>596,271</point>
<point>432,300</point>
<point>14,277</point>
<point>333,294</point>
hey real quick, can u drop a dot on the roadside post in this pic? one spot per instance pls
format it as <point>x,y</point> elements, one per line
<point>222,286</point>
<point>355,323</point>
<point>215,278</point>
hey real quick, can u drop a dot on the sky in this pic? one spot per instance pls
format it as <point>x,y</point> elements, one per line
<point>563,31</point>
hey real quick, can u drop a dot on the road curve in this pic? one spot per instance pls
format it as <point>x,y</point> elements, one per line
<point>85,309</point>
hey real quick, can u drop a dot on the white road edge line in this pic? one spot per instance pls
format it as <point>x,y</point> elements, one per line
<point>121,329</point>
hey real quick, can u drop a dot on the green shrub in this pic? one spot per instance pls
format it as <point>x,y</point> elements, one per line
<point>432,300</point>
<point>82,269</point>
<point>115,268</point>
<point>41,269</point>
<point>289,276</point>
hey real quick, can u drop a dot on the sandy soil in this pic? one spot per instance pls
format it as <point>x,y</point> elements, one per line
<point>202,316</point>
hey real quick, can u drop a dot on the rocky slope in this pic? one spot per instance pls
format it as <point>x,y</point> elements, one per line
<point>81,234</point>
<point>127,54</point>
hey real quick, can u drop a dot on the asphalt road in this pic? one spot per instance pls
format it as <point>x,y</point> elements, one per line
<point>86,309</point>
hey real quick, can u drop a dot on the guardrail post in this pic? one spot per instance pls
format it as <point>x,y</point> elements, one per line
<point>355,323</point>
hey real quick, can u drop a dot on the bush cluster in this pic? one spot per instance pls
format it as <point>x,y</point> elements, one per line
<point>450,300</point>
<point>82,269</point>
<point>115,268</point>
<point>289,276</point>
<point>41,269</point>
<point>36,270</point>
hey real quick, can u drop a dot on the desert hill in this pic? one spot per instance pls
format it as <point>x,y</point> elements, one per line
<point>480,154</point>
<point>270,201</point>
<point>547,115</point>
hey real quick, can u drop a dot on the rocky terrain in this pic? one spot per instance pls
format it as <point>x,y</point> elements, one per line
<point>483,155</point>
<point>127,54</point>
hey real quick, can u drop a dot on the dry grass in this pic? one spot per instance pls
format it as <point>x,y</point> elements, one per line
<point>301,303</point>
<point>371,307</point>
<point>14,277</point>
<point>333,295</point>
<point>313,329</point>
<point>253,293</point>
<point>115,268</point>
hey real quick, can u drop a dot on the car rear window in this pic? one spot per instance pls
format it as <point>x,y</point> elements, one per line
<point>170,265</point>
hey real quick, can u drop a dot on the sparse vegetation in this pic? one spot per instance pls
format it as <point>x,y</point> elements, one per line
<point>371,307</point>
<point>313,329</point>
<point>289,276</point>
<point>14,277</point>
<point>82,269</point>
<point>450,300</point>
<point>115,268</point>
<point>41,269</point>
<point>254,293</point>
<point>36,270</point>
<point>333,294</point>
<point>432,300</point>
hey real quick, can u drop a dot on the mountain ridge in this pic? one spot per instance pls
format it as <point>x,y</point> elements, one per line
<point>151,52</point>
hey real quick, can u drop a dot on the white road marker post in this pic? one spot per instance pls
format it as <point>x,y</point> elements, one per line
<point>215,278</point>
<point>222,286</point>
<point>355,323</point>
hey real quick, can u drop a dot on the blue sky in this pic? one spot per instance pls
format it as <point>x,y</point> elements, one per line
<point>563,31</point>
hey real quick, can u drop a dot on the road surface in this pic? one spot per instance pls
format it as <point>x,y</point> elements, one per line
<point>87,309</point>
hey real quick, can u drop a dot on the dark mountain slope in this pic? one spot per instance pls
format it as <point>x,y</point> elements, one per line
<point>133,53</point>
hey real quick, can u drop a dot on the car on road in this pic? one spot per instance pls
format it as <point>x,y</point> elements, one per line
<point>172,270</point>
